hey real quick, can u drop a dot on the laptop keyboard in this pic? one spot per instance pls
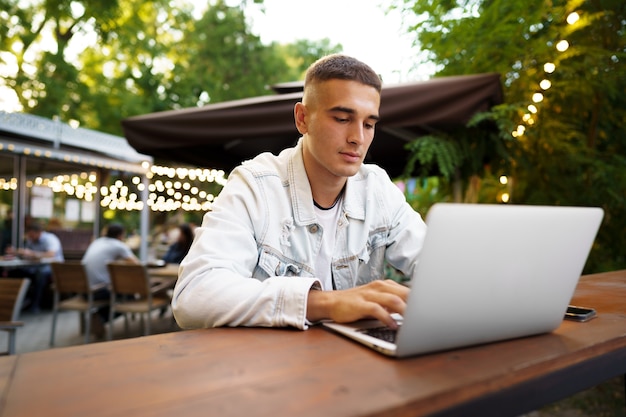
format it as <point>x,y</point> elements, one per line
<point>383,333</point>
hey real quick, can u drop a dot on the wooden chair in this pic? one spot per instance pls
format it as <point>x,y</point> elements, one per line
<point>12,294</point>
<point>70,278</point>
<point>132,291</point>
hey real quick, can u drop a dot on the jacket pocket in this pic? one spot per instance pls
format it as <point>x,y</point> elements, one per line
<point>372,266</point>
<point>367,265</point>
<point>272,264</point>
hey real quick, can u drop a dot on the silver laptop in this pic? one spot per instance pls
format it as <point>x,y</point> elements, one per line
<point>488,273</point>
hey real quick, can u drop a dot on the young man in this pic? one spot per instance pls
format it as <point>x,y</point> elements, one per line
<point>303,236</point>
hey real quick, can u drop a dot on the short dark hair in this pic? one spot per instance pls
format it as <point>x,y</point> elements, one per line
<point>115,230</point>
<point>343,67</point>
<point>187,232</point>
<point>34,227</point>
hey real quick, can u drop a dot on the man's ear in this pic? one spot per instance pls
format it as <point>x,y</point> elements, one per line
<point>299,113</point>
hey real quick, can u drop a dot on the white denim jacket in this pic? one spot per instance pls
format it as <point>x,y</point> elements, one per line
<point>252,260</point>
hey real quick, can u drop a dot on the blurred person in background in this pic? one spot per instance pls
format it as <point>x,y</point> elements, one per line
<point>105,249</point>
<point>177,250</point>
<point>40,246</point>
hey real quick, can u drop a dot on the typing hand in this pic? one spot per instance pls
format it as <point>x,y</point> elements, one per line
<point>377,299</point>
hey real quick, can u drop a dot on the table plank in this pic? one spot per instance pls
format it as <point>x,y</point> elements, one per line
<point>244,371</point>
<point>7,368</point>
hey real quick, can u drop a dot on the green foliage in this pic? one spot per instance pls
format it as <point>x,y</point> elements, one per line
<point>430,151</point>
<point>461,156</point>
<point>222,60</point>
<point>422,193</point>
<point>302,53</point>
<point>569,150</point>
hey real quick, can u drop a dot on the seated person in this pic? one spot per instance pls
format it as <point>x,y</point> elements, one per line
<point>177,250</point>
<point>304,235</point>
<point>39,245</point>
<point>7,231</point>
<point>105,249</point>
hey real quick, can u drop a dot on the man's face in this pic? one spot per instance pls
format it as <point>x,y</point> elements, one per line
<point>33,235</point>
<point>337,119</point>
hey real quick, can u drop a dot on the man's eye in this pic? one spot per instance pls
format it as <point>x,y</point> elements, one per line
<point>369,125</point>
<point>341,120</point>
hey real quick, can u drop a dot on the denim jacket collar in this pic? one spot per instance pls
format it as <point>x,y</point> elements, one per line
<point>302,197</point>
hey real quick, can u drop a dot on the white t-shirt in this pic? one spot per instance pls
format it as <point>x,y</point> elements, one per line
<point>100,252</point>
<point>328,220</point>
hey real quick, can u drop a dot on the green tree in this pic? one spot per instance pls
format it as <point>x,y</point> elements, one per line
<point>565,147</point>
<point>87,61</point>
<point>302,53</point>
<point>222,60</point>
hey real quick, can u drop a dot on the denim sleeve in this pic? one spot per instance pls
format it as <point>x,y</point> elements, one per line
<point>216,285</point>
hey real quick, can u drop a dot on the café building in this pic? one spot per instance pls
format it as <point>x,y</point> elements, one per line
<point>65,178</point>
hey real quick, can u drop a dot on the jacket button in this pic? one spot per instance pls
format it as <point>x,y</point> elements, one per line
<point>313,228</point>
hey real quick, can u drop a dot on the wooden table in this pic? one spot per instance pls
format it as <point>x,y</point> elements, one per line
<point>166,271</point>
<point>286,372</point>
<point>164,276</point>
<point>14,262</point>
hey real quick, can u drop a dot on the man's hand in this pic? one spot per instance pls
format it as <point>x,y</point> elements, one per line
<point>27,253</point>
<point>377,299</point>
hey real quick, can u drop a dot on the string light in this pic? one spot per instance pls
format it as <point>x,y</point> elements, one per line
<point>530,118</point>
<point>562,46</point>
<point>545,84</point>
<point>170,189</point>
<point>572,18</point>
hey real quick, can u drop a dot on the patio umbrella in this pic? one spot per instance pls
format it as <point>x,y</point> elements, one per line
<point>222,135</point>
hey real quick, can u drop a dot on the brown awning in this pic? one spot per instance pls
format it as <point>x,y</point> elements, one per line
<point>222,135</point>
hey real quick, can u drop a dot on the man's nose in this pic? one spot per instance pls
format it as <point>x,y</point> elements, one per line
<point>357,134</point>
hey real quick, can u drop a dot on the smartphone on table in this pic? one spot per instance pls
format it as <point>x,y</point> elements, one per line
<point>577,313</point>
